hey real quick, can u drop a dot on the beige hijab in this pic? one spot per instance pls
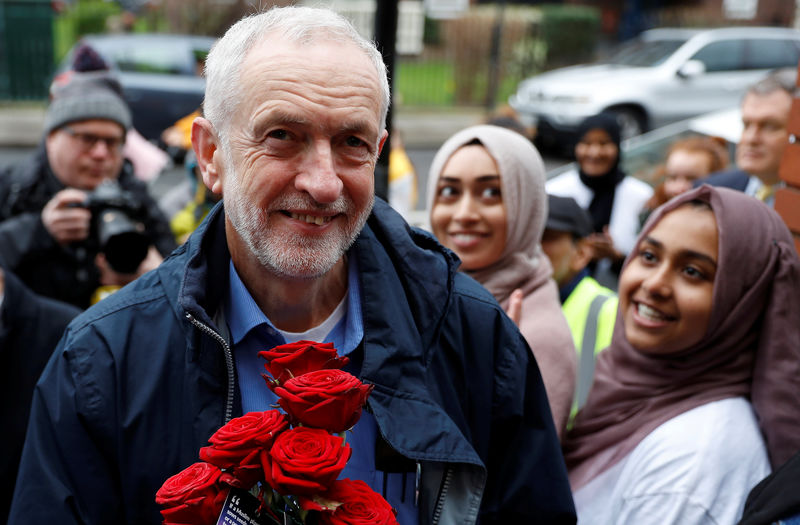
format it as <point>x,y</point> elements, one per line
<point>523,263</point>
<point>522,179</point>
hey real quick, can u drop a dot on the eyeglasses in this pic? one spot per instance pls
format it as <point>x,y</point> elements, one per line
<point>89,140</point>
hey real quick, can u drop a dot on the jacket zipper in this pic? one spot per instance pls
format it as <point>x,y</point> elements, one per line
<point>228,361</point>
<point>417,477</point>
<point>437,512</point>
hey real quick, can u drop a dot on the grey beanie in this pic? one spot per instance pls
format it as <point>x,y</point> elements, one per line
<point>91,102</point>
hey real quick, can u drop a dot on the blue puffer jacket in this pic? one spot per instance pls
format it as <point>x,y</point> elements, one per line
<point>140,381</point>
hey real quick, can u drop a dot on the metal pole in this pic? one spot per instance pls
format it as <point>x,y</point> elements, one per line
<point>385,38</point>
<point>494,56</point>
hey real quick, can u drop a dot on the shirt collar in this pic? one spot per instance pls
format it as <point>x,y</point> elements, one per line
<point>243,313</point>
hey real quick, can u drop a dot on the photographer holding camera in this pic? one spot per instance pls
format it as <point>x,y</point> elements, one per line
<point>56,213</point>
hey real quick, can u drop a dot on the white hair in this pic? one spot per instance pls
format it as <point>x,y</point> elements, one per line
<point>301,25</point>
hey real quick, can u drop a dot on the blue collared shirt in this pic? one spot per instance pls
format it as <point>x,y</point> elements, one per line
<point>251,332</point>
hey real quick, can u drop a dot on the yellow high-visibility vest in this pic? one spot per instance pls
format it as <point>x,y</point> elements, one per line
<point>591,310</point>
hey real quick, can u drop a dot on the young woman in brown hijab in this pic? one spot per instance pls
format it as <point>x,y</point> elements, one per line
<point>700,389</point>
<point>487,203</point>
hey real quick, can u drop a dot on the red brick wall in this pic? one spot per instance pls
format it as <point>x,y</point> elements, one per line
<point>787,200</point>
<point>775,12</point>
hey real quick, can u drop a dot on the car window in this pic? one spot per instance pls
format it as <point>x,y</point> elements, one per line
<point>146,59</point>
<point>772,54</point>
<point>150,56</point>
<point>645,53</point>
<point>725,55</point>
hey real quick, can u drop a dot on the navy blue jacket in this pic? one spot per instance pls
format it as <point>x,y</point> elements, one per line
<point>142,379</point>
<point>733,178</point>
<point>30,327</point>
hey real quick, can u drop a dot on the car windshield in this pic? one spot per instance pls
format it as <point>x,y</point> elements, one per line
<point>152,55</point>
<point>645,53</point>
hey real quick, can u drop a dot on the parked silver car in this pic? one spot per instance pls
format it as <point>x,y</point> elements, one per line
<point>662,76</point>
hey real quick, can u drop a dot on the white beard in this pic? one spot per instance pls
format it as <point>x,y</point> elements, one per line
<point>284,253</point>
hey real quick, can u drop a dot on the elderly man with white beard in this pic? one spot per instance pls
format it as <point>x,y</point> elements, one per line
<point>457,429</point>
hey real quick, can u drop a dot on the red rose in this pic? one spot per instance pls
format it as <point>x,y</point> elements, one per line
<point>194,495</point>
<point>305,461</point>
<point>360,505</point>
<point>295,359</point>
<point>329,399</point>
<point>240,443</point>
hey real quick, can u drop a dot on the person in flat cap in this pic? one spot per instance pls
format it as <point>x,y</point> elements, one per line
<point>47,235</point>
<point>589,307</point>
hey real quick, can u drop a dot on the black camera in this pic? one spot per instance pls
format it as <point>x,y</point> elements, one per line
<point>115,226</point>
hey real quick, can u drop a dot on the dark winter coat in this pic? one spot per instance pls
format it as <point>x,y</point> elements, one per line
<point>141,380</point>
<point>30,327</point>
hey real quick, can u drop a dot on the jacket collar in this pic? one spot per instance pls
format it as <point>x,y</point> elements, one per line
<point>205,275</point>
<point>386,247</point>
<point>407,281</point>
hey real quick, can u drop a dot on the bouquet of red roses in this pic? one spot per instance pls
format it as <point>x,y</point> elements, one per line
<point>283,466</point>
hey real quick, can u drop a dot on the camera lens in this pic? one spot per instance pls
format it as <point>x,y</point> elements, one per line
<point>122,240</point>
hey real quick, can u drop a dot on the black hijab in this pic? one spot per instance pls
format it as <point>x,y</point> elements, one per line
<point>603,185</point>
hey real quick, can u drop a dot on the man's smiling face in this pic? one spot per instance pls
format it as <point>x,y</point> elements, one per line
<point>299,163</point>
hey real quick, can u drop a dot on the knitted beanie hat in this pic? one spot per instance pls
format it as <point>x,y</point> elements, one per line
<point>86,101</point>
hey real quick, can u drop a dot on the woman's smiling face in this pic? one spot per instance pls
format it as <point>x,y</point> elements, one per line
<point>596,152</point>
<point>468,214</point>
<point>666,290</point>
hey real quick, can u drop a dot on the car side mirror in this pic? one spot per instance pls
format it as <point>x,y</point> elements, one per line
<point>691,68</point>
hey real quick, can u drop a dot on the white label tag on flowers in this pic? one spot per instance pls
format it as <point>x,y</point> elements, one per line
<point>239,509</point>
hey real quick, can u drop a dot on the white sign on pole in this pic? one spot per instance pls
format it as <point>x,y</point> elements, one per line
<point>443,9</point>
<point>740,9</point>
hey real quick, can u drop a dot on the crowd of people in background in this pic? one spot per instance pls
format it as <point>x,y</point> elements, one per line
<point>594,346</point>
<point>613,198</point>
<point>686,162</point>
<point>680,405</point>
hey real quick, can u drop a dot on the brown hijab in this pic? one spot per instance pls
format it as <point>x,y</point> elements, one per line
<point>751,347</point>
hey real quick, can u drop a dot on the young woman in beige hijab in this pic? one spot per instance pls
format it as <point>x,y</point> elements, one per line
<point>699,391</point>
<point>487,203</point>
